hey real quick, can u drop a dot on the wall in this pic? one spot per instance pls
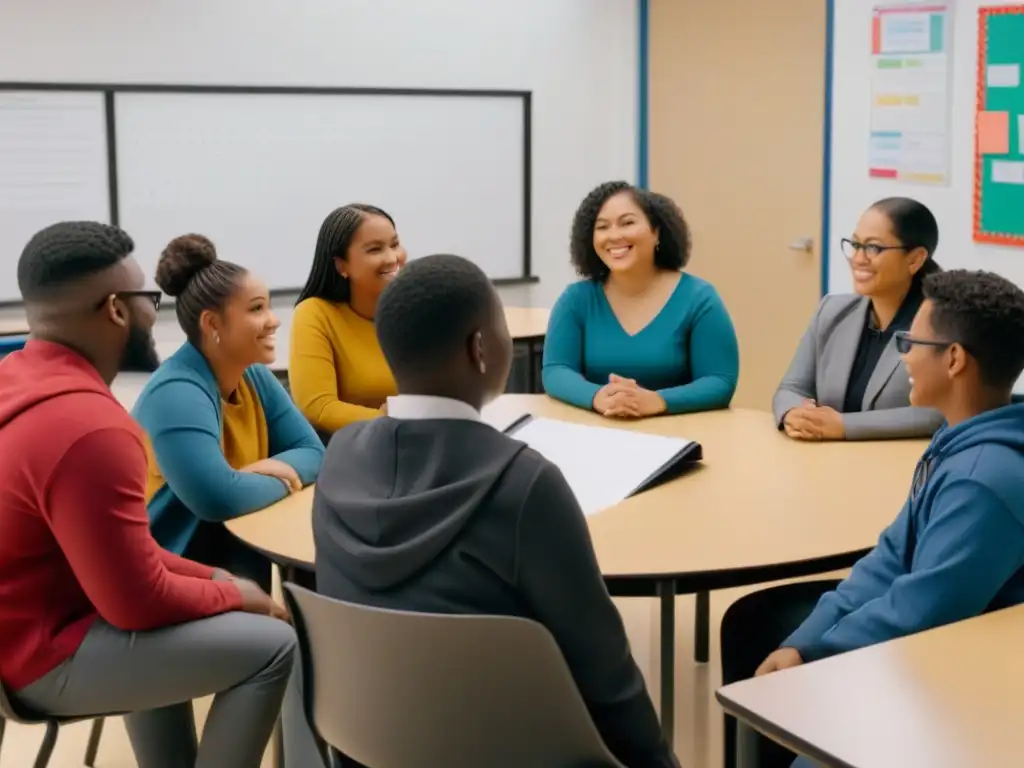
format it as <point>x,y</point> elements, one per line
<point>852,191</point>
<point>579,57</point>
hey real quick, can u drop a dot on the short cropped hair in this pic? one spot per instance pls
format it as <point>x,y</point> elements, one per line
<point>985,313</point>
<point>429,310</point>
<point>673,251</point>
<point>67,252</point>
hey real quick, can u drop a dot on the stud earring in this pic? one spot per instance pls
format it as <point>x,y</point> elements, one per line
<point>344,275</point>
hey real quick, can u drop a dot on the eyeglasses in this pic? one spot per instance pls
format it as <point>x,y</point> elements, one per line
<point>871,250</point>
<point>904,342</point>
<point>154,296</point>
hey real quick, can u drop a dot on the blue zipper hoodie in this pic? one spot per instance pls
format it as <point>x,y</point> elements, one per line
<point>956,550</point>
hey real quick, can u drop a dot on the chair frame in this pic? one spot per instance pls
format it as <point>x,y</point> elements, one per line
<point>8,712</point>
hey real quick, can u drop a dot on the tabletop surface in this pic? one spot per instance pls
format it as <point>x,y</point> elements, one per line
<point>759,499</point>
<point>13,326</point>
<point>948,698</point>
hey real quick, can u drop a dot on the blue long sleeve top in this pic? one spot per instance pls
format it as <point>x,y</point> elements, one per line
<point>955,551</point>
<point>180,410</point>
<point>688,353</point>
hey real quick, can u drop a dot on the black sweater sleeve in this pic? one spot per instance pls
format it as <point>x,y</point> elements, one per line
<point>558,576</point>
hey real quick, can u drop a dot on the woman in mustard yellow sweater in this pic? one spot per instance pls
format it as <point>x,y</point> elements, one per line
<point>337,372</point>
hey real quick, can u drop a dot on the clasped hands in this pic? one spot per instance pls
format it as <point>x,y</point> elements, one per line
<point>623,398</point>
<point>810,421</point>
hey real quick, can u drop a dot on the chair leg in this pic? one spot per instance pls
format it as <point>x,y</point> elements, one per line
<point>46,748</point>
<point>93,746</point>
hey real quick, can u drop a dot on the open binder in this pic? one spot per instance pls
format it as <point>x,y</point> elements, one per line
<point>603,465</point>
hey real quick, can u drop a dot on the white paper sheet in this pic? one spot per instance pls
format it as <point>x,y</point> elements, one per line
<point>1007,172</point>
<point>602,465</point>
<point>1003,76</point>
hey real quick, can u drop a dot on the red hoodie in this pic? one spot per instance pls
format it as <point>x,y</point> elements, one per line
<point>74,535</point>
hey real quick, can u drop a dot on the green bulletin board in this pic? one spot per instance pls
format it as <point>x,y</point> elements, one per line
<point>999,135</point>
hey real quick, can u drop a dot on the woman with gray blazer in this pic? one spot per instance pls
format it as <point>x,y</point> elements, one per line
<point>847,381</point>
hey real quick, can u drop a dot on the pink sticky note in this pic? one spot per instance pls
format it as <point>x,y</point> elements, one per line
<point>993,133</point>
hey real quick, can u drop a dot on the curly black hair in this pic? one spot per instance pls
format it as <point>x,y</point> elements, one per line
<point>985,313</point>
<point>64,253</point>
<point>673,250</point>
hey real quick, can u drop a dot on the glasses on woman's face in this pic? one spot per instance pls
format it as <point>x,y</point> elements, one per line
<point>905,342</point>
<point>155,297</point>
<point>871,250</point>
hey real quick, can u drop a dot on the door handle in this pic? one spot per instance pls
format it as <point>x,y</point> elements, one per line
<point>805,244</point>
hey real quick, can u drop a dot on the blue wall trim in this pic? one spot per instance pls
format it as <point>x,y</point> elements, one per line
<point>643,74</point>
<point>826,175</point>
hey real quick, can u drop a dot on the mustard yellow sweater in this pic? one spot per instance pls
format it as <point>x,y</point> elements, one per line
<point>337,371</point>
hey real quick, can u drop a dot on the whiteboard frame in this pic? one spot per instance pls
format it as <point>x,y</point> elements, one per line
<point>111,90</point>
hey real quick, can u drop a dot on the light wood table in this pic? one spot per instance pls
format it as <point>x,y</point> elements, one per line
<point>525,323</point>
<point>947,698</point>
<point>13,326</point>
<point>761,507</point>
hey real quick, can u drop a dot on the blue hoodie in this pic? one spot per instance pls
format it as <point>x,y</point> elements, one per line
<point>956,550</point>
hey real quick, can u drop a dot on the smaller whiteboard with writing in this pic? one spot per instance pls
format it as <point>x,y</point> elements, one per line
<point>603,466</point>
<point>259,172</point>
<point>53,167</point>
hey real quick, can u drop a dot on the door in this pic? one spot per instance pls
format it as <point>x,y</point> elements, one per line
<point>737,102</point>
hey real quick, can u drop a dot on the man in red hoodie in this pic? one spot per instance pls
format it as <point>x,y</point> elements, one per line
<point>95,617</point>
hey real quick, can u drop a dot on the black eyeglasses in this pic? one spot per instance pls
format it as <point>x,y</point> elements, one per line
<point>904,342</point>
<point>871,250</point>
<point>154,296</point>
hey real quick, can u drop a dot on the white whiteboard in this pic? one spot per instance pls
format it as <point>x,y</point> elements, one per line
<point>53,167</point>
<point>257,173</point>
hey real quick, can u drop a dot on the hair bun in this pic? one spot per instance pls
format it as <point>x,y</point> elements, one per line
<point>182,259</point>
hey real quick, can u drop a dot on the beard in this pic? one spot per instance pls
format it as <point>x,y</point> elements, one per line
<point>139,354</point>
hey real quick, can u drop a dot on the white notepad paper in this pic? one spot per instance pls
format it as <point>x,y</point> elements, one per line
<point>602,465</point>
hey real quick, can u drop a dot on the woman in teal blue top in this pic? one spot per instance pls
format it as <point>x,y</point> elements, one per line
<point>638,336</point>
<point>222,436</point>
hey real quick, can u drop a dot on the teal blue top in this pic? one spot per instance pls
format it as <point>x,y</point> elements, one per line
<point>688,353</point>
<point>180,410</point>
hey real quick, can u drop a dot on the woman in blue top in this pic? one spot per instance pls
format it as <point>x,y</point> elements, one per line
<point>638,336</point>
<point>223,437</point>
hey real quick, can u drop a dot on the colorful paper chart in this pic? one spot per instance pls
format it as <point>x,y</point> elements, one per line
<point>910,92</point>
<point>999,128</point>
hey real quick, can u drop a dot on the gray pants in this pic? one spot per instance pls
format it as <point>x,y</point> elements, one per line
<point>244,659</point>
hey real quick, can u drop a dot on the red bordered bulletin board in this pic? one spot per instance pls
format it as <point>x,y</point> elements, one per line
<point>999,127</point>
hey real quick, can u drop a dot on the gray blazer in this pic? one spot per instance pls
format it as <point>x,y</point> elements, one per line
<point>820,371</point>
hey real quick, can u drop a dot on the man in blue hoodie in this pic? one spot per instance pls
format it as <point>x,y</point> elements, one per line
<point>956,549</point>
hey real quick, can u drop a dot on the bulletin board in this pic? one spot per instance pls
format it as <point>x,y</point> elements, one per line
<point>999,134</point>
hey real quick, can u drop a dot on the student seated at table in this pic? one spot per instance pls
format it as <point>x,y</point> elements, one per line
<point>430,509</point>
<point>847,381</point>
<point>95,617</point>
<point>224,438</point>
<point>337,373</point>
<point>956,549</point>
<point>638,336</point>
